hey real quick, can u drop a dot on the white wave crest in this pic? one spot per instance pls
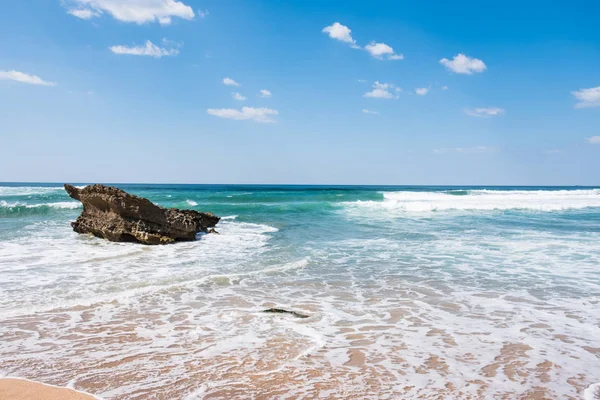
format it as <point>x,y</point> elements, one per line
<point>61,204</point>
<point>473,200</point>
<point>6,191</point>
<point>58,205</point>
<point>191,203</point>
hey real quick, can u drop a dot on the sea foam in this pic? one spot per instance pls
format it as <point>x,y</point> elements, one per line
<point>592,392</point>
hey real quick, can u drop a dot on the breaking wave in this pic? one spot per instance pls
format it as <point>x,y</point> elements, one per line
<point>27,190</point>
<point>485,199</point>
<point>19,209</point>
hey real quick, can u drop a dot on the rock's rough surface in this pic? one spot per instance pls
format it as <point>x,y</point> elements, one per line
<point>118,216</point>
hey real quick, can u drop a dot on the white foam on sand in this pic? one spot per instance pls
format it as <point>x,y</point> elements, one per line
<point>592,392</point>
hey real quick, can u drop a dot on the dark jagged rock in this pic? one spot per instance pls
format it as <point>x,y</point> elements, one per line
<point>118,216</point>
<point>282,311</point>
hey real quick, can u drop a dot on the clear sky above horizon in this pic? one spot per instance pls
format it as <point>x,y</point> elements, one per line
<point>316,92</point>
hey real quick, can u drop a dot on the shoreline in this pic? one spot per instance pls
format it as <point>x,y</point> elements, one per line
<point>12,388</point>
<point>410,294</point>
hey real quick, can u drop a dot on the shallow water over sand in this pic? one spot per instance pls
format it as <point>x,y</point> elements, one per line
<point>412,293</point>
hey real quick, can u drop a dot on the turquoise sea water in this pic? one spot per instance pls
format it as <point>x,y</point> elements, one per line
<point>459,292</point>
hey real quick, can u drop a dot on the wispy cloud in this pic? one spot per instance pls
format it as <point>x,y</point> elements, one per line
<point>444,87</point>
<point>422,91</point>
<point>83,13</point>
<point>24,78</point>
<point>370,111</point>
<point>381,91</point>
<point>136,11</point>
<point>587,97</point>
<point>593,140</point>
<point>202,13</point>
<point>265,93</point>
<point>465,150</point>
<point>553,151</point>
<point>484,112</point>
<point>462,64</point>
<point>230,82</point>
<point>262,115</point>
<point>149,49</point>
<point>340,32</point>
<point>238,96</point>
<point>382,50</point>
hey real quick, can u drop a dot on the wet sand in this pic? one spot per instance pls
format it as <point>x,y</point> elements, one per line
<point>288,362</point>
<point>22,389</point>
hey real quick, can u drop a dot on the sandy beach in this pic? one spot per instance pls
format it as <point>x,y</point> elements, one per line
<point>22,389</point>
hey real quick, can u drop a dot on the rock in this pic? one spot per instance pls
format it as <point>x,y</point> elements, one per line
<point>118,216</point>
<point>213,230</point>
<point>282,311</point>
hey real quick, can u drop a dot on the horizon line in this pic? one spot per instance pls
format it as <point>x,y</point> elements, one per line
<point>295,184</point>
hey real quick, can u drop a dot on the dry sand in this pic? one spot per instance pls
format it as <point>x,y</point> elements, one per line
<point>21,389</point>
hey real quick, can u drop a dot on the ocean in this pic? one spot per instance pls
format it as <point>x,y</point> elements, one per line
<point>412,293</point>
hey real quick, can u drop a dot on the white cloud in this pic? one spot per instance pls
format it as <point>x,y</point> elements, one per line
<point>149,49</point>
<point>340,32</point>
<point>593,140</point>
<point>137,11</point>
<point>370,111</point>
<point>265,93</point>
<point>381,91</point>
<point>202,14</point>
<point>379,94</point>
<point>238,96</point>
<point>465,150</point>
<point>83,13</point>
<point>381,50</point>
<point>484,112</point>
<point>362,81</point>
<point>444,87</point>
<point>422,91</point>
<point>230,82</point>
<point>587,97</point>
<point>462,64</point>
<point>24,78</point>
<point>262,115</point>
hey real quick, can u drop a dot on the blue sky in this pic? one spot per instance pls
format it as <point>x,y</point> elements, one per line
<point>134,91</point>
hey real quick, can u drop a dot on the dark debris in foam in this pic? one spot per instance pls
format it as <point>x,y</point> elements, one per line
<point>282,311</point>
